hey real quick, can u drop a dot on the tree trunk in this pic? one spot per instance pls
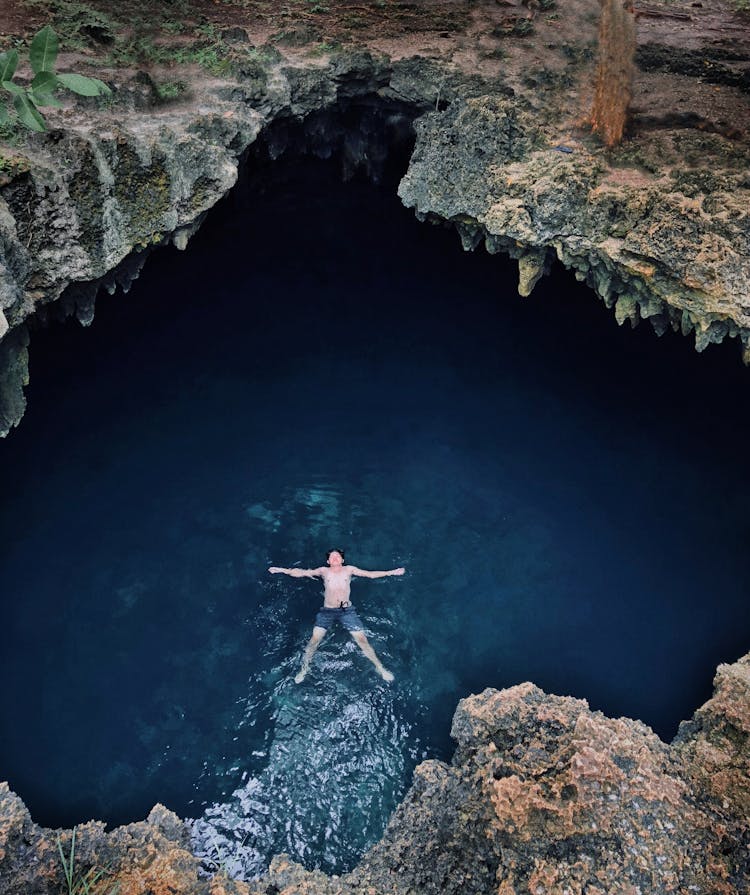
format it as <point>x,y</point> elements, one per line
<point>613,87</point>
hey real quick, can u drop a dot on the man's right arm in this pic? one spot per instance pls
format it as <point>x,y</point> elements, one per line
<point>296,573</point>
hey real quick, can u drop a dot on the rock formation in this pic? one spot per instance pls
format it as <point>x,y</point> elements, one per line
<point>659,227</point>
<point>543,796</point>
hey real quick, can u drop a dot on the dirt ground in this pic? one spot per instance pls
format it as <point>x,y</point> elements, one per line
<point>694,55</point>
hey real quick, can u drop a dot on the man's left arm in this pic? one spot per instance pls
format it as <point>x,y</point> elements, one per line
<point>363,573</point>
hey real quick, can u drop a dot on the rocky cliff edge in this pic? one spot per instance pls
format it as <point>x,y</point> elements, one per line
<point>542,796</point>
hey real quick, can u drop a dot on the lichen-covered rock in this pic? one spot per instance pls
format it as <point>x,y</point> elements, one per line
<point>715,744</point>
<point>151,856</point>
<point>653,245</point>
<point>14,374</point>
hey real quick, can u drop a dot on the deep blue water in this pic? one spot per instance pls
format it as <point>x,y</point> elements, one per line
<point>318,369</point>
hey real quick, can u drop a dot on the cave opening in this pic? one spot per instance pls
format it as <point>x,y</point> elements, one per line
<point>320,369</point>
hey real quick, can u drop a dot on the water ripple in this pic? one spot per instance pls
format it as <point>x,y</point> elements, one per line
<point>336,762</point>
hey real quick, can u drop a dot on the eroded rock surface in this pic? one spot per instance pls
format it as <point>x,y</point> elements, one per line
<point>543,796</point>
<point>98,195</point>
<point>659,228</point>
<point>550,797</point>
<point>646,242</point>
<point>714,745</point>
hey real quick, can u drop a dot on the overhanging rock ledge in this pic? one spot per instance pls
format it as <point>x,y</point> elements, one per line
<point>659,228</point>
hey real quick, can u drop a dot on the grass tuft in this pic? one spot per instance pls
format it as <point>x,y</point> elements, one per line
<point>89,883</point>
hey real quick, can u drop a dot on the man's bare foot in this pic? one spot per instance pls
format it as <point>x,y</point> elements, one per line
<point>300,676</point>
<point>385,674</point>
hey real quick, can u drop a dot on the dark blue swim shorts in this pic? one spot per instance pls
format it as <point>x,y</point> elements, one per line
<point>347,617</point>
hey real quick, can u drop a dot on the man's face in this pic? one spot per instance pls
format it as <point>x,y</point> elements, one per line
<point>335,559</point>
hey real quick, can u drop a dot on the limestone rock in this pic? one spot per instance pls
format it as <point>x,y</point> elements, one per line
<point>532,266</point>
<point>150,856</point>
<point>97,197</point>
<point>545,796</point>
<point>659,229</point>
<point>651,242</point>
<point>715,744</point>
<point>14,374</point>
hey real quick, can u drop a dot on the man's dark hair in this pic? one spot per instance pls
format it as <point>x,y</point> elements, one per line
<point>335,550</point>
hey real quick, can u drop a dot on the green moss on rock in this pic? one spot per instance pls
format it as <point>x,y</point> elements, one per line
<point>143,194</point>
<point>85,191</point>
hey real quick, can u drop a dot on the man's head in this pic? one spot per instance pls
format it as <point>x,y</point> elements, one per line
<point>335,557</point>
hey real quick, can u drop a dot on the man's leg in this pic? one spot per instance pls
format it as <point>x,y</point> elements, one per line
<point>317,635</point>
<point>364,644</point>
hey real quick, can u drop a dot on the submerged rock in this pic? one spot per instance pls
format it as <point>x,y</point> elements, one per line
<point>542,795</point>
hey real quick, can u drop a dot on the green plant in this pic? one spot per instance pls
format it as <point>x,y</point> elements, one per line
<point>523,27</point>
<point>495,53</point>
<point>81,883</point>
<point>8,134</point>
<point>12,165</point>
<point>208,30</point>
<point>219,863</point>
<point>78,23</point>
<point>28,100</point>
<point>171,27</point>
<point>325,47</point>
<point>513,26</point>
<point>169,90</point>
<point>212,56</point>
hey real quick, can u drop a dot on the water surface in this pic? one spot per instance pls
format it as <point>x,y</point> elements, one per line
<point>318,369</point>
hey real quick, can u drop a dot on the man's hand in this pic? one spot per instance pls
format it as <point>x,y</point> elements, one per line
<point>398,571</point>
<point>274,570</point>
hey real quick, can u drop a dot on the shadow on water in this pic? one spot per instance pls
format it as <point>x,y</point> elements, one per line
<point>318,368</point>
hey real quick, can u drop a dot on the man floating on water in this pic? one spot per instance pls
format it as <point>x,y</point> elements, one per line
<point>337,607</point>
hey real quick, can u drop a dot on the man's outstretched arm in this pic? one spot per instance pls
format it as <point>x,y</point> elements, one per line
<point>296,573</point>
<point>363,573</point>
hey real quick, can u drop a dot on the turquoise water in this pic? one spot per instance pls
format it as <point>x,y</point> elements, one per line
<point>318,369</point>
